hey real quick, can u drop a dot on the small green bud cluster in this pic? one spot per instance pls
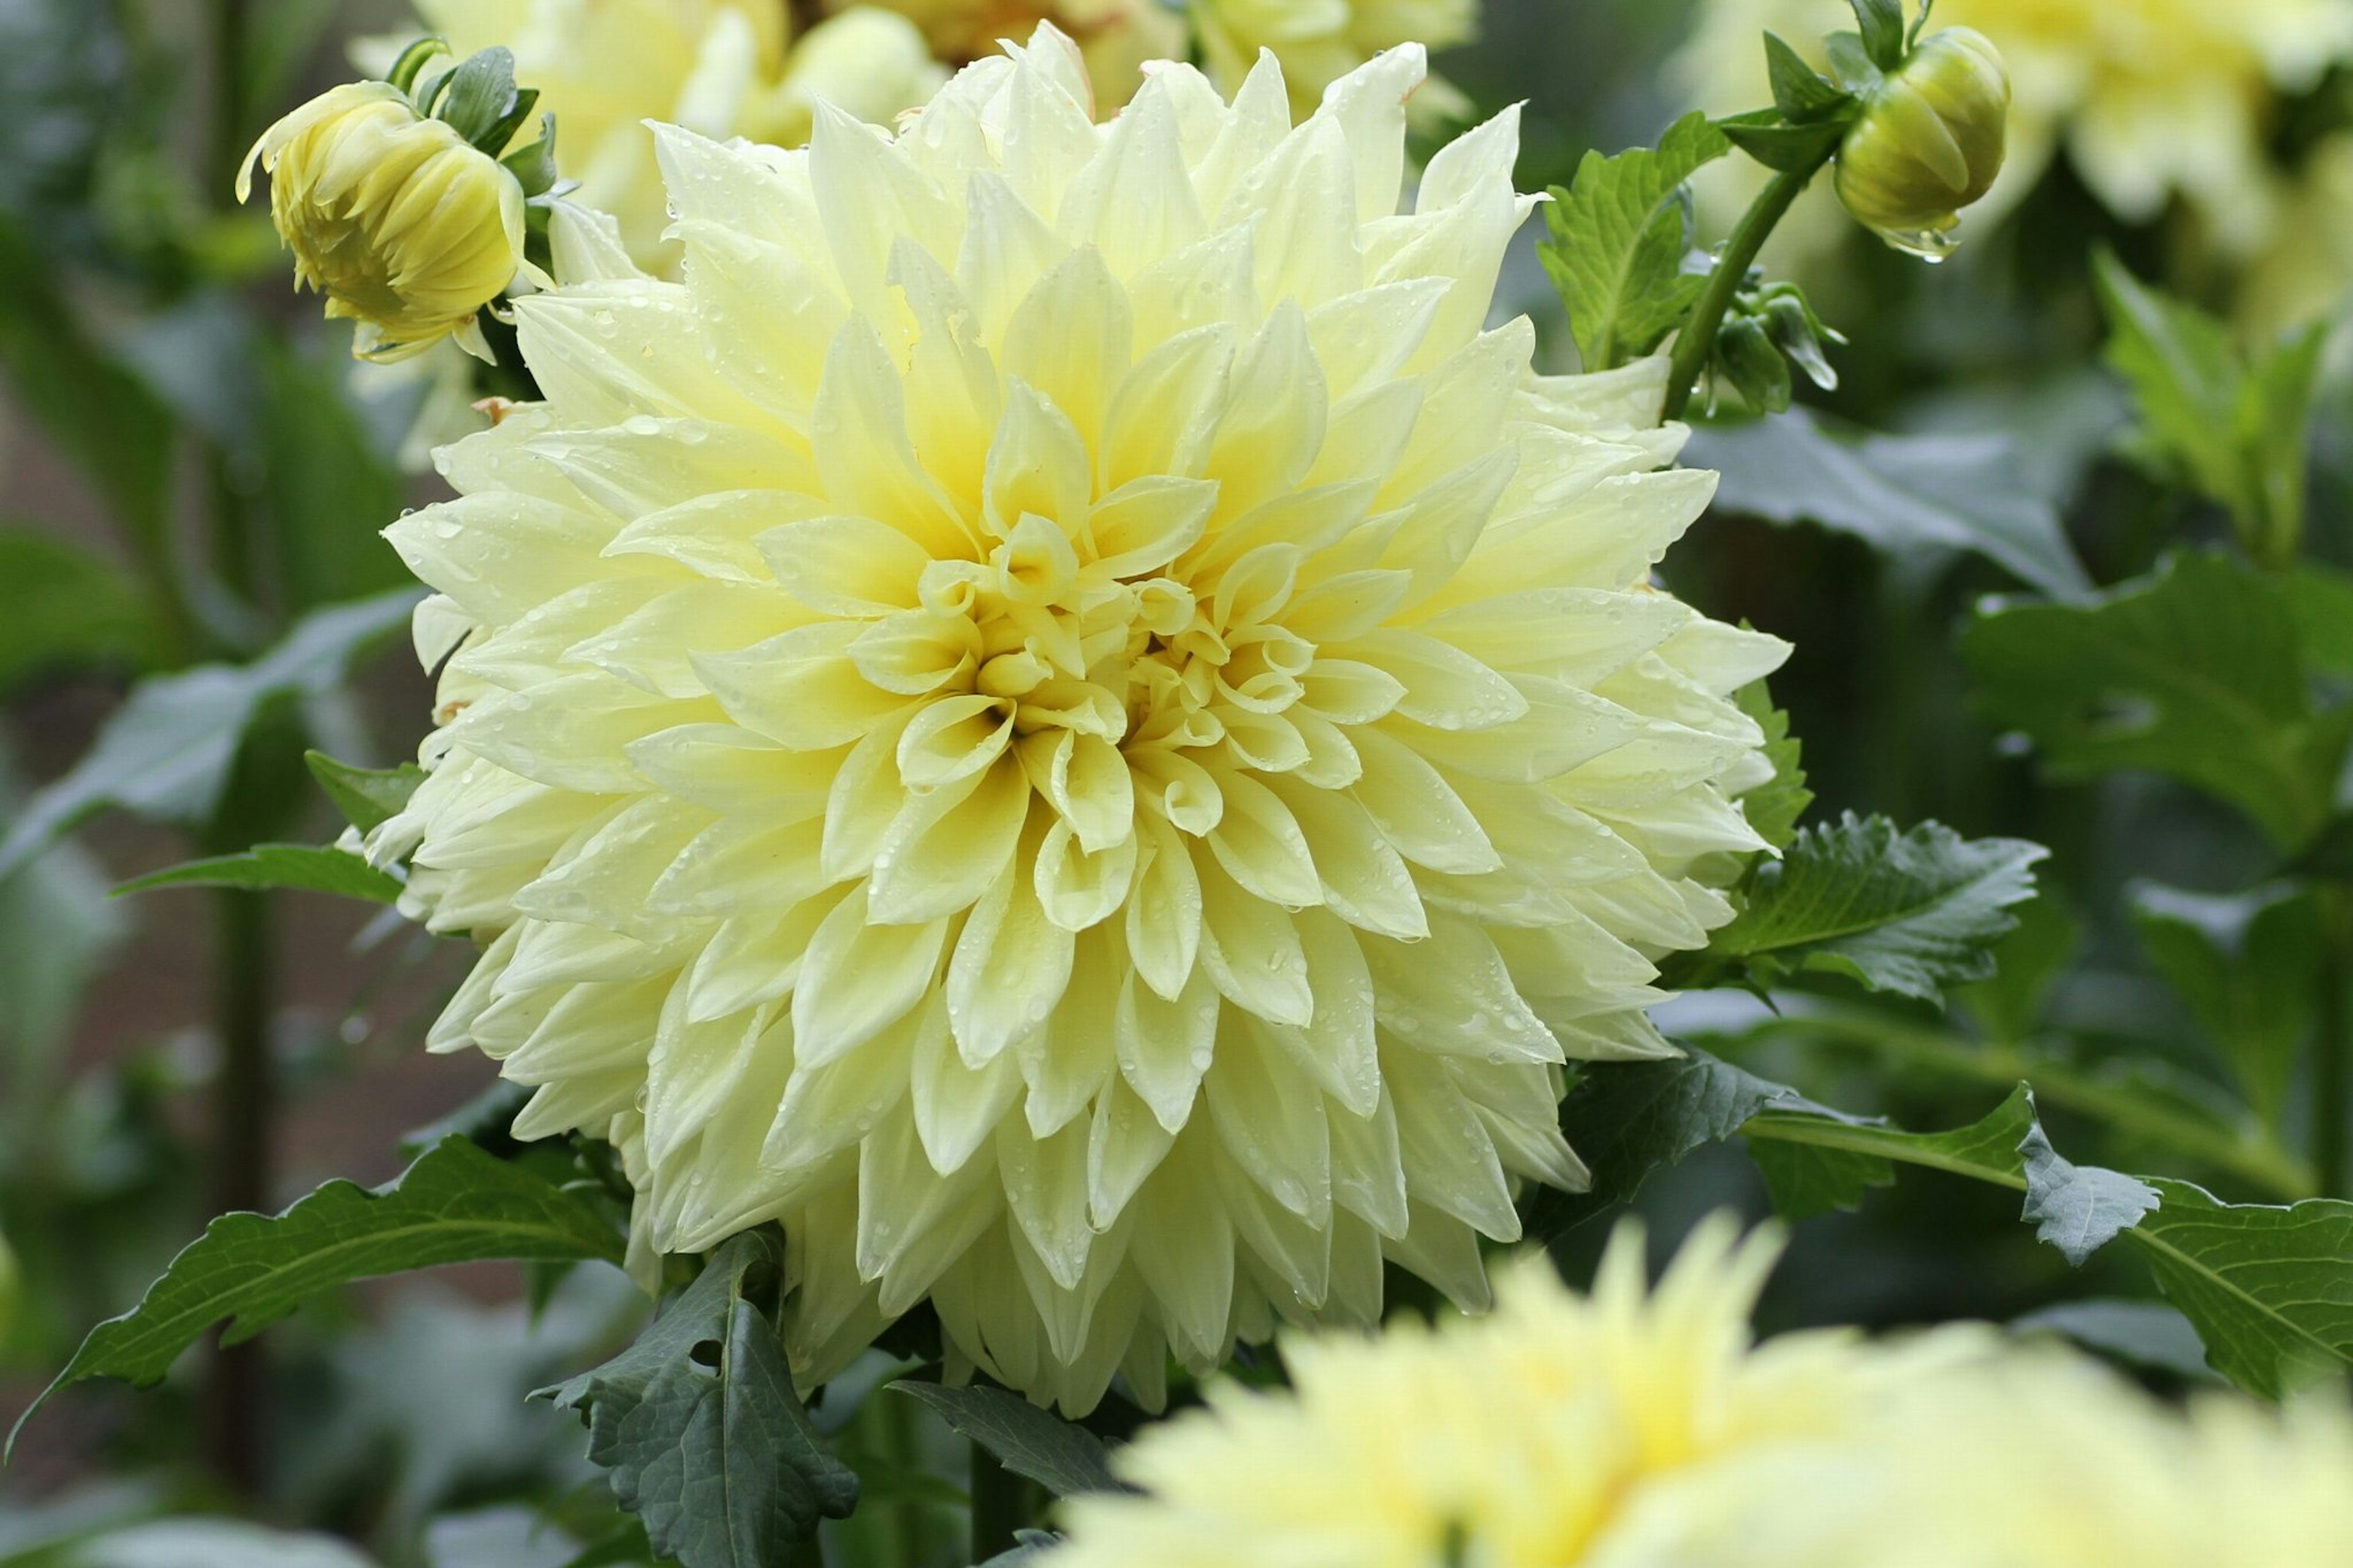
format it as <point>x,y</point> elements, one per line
<point>1767,328</point>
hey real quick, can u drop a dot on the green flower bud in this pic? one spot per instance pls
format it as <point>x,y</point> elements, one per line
<point>1928,142</point>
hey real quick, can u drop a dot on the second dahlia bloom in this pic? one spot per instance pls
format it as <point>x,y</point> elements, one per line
<point>1318,41</point>
<point>1063,720</point>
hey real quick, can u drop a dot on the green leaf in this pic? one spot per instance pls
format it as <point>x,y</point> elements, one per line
<point>2270,1289</point>
<point>167,753</point>
<point>1059,1455</point>
<point>1619,235</point>
<point>2245,965</point>
<point>1906,496</point>
<point>700,1429</point>
<point>97,412</point>
<point>2028,965</point>
<point>480,102</point>
<point>310,867</point>
<point>2078,1209</point>
<point>327,489</point>
<point>2192,673</point>
<point>1881,23</point>
<point>62,607</point>
<point>368,797</point>
<point>1985,1150</point>
<point>1626,1119</point>
<point>1908,913</point>
<point>456,1205</point>
<point>1805,1181</point>
<point>2321,599</point>
<point>1783,147</point>
<point>1801,92</point>
<point>1774,807</point>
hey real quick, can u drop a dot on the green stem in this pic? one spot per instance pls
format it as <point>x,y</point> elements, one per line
<point>1698,333</point>
<point>2259,1161</point>
<point>1002,1503</point>
<point>2332,1047</point>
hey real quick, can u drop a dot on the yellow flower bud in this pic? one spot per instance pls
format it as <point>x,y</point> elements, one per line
<point>1928,143</point>
<point>404,227</point>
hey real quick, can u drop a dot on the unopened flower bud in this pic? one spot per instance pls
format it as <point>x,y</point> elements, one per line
<point>1929,141</point>
<point>406,228</point>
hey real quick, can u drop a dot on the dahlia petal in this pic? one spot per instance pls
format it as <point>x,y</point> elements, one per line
<point>799,688</point>
<point>1125,1143</point>
<point>859,978</point>
<point>1453,996</point>
<point>1270,1122</point>
<point>722,768</point>
<point>1368,1175</point>
<point>1077,889</point>
<point>1161,417</point>
<point>1164,1047</point>
<point>1038,465</point>
<point>1045,1187</point>
<point>1364,880</point>
<point>831,1105</point>
<point>957,1106</point>
<point>845,565</point>
<point>1250,949</point>
<point>741,865</point>
<point>1133,201</point>
<point>1147,523</point>
<point>754,959</point>
<point>1183,1246</point>
<point>716,534</point>
<point>1259,843</point>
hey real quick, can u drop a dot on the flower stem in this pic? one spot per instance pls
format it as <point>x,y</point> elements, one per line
<point>1002,1503</point>
<point>1698,333</point>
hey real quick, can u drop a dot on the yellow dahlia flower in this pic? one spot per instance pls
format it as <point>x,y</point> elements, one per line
<point>719,66</point>
<point>1522,1441</point>
<point>2306,270</point>
<point>2150,99</point>
<point>1062,719</point>
<point>1319,41</point>
<point>406,229</point>
<point>1117,36</point>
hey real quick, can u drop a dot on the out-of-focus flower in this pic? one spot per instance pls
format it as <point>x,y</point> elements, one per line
<point>2307,271</point>
<point>1319,41</point>
<point>404,227</point>
<point>1635,1429</point>
<point>1117,36</point>
<point>722,67</point>
<point>12,1288</point>
<point>2151,100</point>
<point>1521,1441</point>
<point>1928,142</point>
<point>1061,718</point>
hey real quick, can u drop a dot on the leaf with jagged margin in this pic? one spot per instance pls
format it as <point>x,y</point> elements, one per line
<point>167,753</point>
<point>2078,1209</point>
<point>368,797</point>
<point>2245,964</point>
<point>2194,672</point>
<point>2270,1288</point>
<point>698,1426</point>
<point>1804,1180</point>
<point>1774,807</point>
<point>307,867</point>
<point>456,1205</point>
<point>1909,912</point>
<point>1620,234</point>
<point>1059,1455</point>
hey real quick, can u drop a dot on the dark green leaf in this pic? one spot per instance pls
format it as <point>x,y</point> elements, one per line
<point>310,867</point>
<point>2192,673</point>
<point>1801,93</point>
<point>2029,962</point>
<point>700,1429</point>
<point>2321,598</point>
<point>1806,1181</point>
<point>1059,1455</point>
<point>167,753</point>
<point>1908,913</point>
<point>1774,807</point>
<point>368,797</point>
<point>1783,147</point>
<point>2078,1209</point>
<point>328,490</point>
<point>2245,964</point>
<point>1626,1119</point>
<point>61,606</point>
<point>1882,25</point>
<point>2270,1289</point>
<point>1905,495</point>
<point>1619,235</point>
<point>533,163</point>
<point>481,103</point>
<point>1985,1151</point>
<point>456,1205</point>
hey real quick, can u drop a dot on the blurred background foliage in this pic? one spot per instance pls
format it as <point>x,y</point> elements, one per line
<point>194,477</point>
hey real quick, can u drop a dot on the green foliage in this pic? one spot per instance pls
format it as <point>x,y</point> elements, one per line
<point>61,606</point>
<point>2195,673</point>
<point>1882,25</point>
<point>1059,1455</point>
<point>1620,234</point>
<point>1801,93</point>
<point>2235,426</point>
<point>2244,965</point>
<point>1908,496</point>
<point>456,1205</point>
<point>1774,808</point>
<point>2270,1289</point>
<point>328,490</point>
<point>368,797</point>
<point>167,753</point>
<point>1908,913</point>
<point>2147,1335</point>
<point>480,99</point>
<point>700,1430</point>
<point>2078,1208</point>
<point>301,866</point>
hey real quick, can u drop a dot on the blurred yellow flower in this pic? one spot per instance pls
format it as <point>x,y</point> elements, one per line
<point>1319,41</point>
<point>2306,270</point>
<point>1521,1441</point>
<point>1641,1429</point>
<point>1063,718</point>
<point>1115,35</point>
<point>2150,99</point>
<point>722,68</point>
<point>1928,143</point>
<point>406,229</point>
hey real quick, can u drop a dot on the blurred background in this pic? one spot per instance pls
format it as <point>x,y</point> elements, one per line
<point>192,466</point>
